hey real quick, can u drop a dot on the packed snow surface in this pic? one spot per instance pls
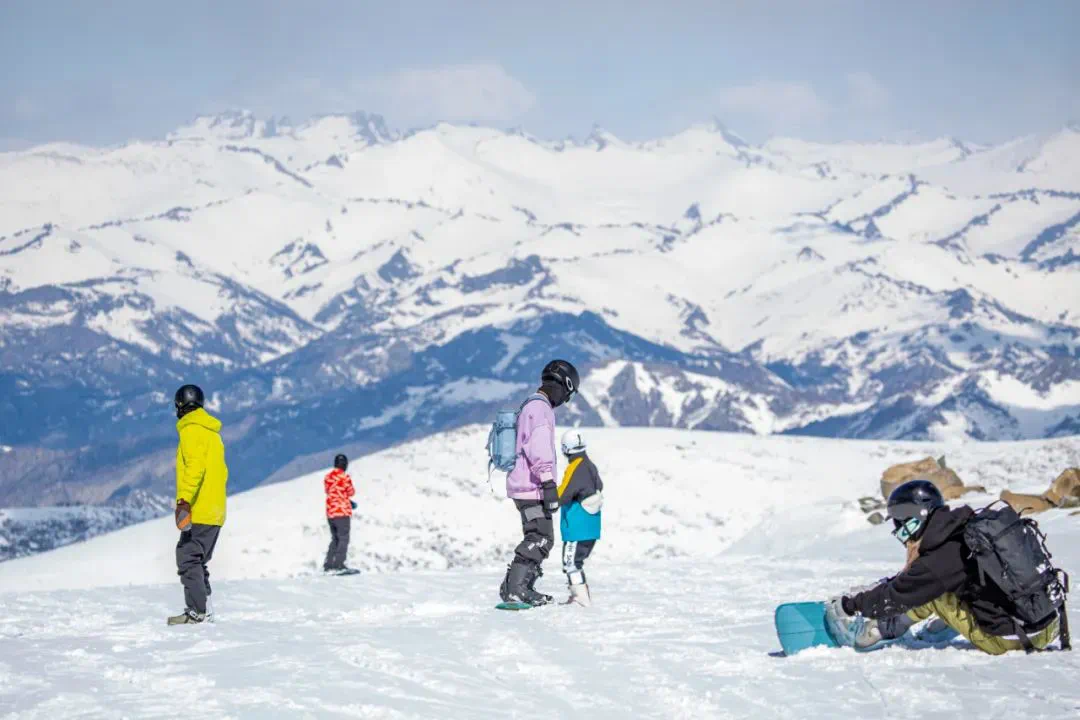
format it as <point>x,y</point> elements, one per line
<point>704,534</point>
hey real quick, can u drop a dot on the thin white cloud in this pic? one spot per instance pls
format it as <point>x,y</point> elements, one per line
<point>480,92</point>
<point>865,92</point>
<point>776,105</point>
<point>771,107</point>
<point>483,92</point>
<point>295,95</point>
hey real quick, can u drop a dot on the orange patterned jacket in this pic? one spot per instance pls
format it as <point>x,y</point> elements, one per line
<point>339,490</point>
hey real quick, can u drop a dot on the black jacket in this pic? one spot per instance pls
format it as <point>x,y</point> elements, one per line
<point>944,565</point>
<point>581,480</point>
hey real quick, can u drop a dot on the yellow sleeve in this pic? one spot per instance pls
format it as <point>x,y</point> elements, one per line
<point>193,457</point>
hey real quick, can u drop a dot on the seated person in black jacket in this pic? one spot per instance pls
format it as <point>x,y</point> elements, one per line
<point>940,580</point>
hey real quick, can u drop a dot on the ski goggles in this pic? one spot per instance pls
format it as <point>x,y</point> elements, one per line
<point>906,530</point>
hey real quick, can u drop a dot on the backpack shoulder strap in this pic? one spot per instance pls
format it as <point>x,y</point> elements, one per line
<point>534,396</point>
<point>1063,630</point>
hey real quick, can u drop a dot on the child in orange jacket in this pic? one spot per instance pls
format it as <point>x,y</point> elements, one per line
<point>339,508</point>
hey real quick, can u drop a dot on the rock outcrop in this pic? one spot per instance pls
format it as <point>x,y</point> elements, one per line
<point>943,477</point>
<point>1064,492</point>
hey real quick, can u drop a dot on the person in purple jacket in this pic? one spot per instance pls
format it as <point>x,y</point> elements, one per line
<point>531,484</point>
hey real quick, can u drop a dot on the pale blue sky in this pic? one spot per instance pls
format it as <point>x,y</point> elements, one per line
<point>105,71</point>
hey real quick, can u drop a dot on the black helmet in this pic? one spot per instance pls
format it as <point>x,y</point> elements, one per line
<point>341,462</point>
<point>187,398</point>
<point>910,506</point>
<point>562,373</point>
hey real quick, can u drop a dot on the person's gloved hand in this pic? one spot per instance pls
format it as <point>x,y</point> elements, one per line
<point>842,621</point>
<point>551,497</point>
<point>183,515</point>
<point>353,503</point>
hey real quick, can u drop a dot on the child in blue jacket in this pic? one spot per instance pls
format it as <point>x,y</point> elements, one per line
<point>580,500</point>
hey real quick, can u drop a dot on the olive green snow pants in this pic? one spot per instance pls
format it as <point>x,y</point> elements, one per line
<point>958,616</point>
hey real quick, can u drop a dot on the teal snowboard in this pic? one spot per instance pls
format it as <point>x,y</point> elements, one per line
<point>513,606</point>
<point>801,625</point>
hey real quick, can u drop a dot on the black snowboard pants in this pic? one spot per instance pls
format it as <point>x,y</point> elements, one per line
<point>193,552</point>
<point>538,530</point>
<point>339,543</point>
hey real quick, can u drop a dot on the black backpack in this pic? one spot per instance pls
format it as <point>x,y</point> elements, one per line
<point>1010,553</point>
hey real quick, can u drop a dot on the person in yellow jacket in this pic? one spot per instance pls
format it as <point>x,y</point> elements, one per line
<point>201,476</point>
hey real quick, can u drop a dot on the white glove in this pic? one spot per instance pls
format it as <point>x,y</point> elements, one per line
<point>593,503</point>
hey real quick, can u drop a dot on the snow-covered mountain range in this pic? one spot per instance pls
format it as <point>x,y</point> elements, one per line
<point>336,284</point>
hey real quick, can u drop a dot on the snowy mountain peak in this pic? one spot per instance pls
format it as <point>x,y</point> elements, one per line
<point>236,125</point>
<point>711,137</point>
<point>732,138</point>
<point>228,125</point>
<point>369,129</point>
<point>519,131</point>
<point>964,148</point>
<point>600,138</point>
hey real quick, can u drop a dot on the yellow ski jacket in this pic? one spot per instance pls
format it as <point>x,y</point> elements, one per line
<point>201,473</point>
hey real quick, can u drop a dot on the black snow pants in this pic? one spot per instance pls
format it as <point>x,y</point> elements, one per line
<point>193,552</point>
<point>339,543</point>
<point>538,530</point>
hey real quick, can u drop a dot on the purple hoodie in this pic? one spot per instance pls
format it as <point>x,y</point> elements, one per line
<point>535,450</point>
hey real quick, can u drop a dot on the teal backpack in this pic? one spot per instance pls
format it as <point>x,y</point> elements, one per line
<point>502,439</point>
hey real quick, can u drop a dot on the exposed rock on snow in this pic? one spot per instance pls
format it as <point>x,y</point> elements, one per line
<point>943,477</point>
<point>1065,488</point>
<point>1064,492</point>
<point>1026,504</point>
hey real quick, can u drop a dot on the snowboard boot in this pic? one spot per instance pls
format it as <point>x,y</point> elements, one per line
<point>878,634</point>
<point>868,637</point>
<point>188,617</point>
<point>343,570</point>
<point>935,633</point>
<point>579,594</point>
<point>515,586</point>
<point>535,575</point>
<point>509,590</point>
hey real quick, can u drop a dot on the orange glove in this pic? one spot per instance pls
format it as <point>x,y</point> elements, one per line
<point>183,515</point>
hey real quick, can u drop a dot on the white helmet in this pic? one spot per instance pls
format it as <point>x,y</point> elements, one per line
<point>573,442</point>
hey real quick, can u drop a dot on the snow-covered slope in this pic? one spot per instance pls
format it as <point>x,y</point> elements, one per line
<point>670,494</point>
<point>704,533</point>
<point>337,273</point>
